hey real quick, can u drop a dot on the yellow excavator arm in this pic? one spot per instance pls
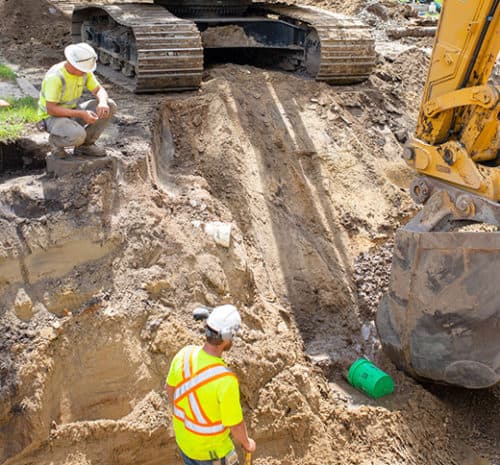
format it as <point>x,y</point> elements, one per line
<point>458,121</point>
<point>440,320</point>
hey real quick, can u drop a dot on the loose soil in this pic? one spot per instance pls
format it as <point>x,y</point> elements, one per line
<point>100,269</point>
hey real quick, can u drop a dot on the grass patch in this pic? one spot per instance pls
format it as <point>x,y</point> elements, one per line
<point>6,74</point>
<point>14,118</point>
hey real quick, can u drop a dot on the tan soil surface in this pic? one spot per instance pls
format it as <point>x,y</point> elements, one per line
<point>100,270</point>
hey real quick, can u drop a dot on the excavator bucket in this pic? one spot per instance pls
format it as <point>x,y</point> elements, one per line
<point>440,320</point>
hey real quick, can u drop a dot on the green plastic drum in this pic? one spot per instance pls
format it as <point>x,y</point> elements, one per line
<point>374,382</point>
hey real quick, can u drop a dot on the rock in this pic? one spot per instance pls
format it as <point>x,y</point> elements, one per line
<point>35,143</point>
<point>23,305</point>
<point>72,164</point>
<point>282,327</point>
<point>157,286</point>
<point>401,136</point>
<point>4,104</point>
<point>213,274</point>
<point>378,10</point>
<point>48,333</point>
<point>197,120</point>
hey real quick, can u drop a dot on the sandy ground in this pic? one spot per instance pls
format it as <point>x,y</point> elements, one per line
<point>101,269</point>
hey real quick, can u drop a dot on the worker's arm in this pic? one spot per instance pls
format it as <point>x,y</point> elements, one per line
<point>239,432</point>
<point>102,102</point>
<point>170,394</point>
<point>54,109</point>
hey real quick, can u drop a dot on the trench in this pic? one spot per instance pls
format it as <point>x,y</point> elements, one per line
<point>93,375</point>
<point>52,235</point>
<point>315,283</point>
<point>16,160</point>
<point>102,376</point>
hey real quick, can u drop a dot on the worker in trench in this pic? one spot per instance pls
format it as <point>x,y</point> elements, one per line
<point>205,397</point>
<point>70,123</point>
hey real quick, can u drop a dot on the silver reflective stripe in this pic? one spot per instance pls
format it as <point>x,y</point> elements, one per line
<point>74,101</point>
<point>198,379</point>
<point>193,401</point>
<point>196,409</point>
<point>197,428</point>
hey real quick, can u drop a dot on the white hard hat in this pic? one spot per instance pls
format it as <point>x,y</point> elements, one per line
<point>82,56</point>
<point>225,321</point>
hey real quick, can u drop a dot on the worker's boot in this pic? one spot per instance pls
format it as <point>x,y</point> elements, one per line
<point>92,150</point>
<point>58,152</point>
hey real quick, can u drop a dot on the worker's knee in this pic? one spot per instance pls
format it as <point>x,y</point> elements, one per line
<point>76,135</point>
<point>80,139</point>
<point>66,133</point>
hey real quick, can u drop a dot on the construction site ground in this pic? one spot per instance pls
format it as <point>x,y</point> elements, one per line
<point>102,265</point>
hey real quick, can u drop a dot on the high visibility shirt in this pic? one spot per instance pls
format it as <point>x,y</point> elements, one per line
<point>206,403</point>
<point>62,87</point>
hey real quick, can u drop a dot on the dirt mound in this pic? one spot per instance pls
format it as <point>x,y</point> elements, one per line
<point>34,31</point>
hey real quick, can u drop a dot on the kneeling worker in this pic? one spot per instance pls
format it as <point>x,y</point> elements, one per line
<point>69,123</point>
<point>205,396</point>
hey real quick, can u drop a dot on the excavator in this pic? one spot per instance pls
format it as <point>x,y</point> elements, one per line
<point>160,46</point>
<point>440,319</point>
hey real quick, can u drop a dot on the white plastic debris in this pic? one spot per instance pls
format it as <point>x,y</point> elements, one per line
<point>219,231</point>
<point>366,331</point>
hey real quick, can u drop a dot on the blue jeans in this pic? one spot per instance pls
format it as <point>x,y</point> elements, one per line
<point>189,461</point>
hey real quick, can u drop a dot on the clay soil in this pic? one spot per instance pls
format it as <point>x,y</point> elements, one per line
<point>101,268</point>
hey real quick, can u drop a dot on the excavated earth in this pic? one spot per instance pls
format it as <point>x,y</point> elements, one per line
<point>101,267</point>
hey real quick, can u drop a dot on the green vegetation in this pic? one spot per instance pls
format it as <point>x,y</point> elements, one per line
<point>6,74</point>
<point>14,117</point>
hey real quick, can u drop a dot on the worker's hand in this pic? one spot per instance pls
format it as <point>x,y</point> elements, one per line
<point>89,117</point>
<point>251,446</point>
<point>102,110</point>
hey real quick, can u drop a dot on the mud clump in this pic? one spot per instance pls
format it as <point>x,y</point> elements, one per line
<point>218,36</point>
<point>371,273</point>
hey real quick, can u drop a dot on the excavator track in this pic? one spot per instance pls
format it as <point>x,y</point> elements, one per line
<point>153,51</point>
<point>338,49</point>
<point>145,48</point>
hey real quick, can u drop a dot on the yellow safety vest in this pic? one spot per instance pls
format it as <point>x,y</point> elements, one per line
<point>71,88</point>
<point>192,381</point>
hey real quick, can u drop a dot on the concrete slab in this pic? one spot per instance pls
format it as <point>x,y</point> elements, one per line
<point>27,88</point>
<point>35,142</point>
<point>73,164</point>
<point>10,90</point>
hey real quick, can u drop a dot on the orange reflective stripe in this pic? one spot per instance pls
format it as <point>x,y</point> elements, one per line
<point>208,367</point>
<point>200,424</point>
<point>191,363</point>
<point>207,431</point>
<point>180,414</point>
<point>192,389</point>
